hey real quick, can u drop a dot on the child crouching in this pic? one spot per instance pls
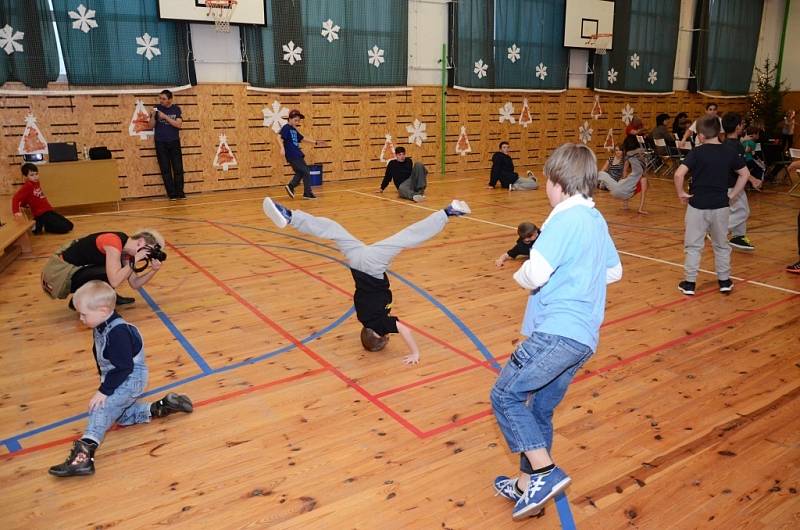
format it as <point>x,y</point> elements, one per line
<point>119,354</point>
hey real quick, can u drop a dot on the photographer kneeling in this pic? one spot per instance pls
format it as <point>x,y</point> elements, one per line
<point>111,257</point>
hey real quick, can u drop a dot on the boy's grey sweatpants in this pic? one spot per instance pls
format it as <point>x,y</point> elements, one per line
<point>371,259</point>
<point>740,211</point>
<point>698,224</point>
<point>416,183</point>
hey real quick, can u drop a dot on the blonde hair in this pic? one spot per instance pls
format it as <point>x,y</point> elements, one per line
<point>96,294</point>
<point>574,168</point>
<point>150,236</point>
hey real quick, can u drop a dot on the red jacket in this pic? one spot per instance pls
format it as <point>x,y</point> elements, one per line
<point>32,196</point>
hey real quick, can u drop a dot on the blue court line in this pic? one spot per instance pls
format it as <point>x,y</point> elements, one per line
<point>564,512</point>
<point>195,355</point>
<point>13,445</point>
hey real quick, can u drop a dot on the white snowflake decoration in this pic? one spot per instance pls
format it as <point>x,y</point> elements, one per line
<point>585,132</point>
<point>507,113</point>
<point>635,61</point>
<point>276,116</point>
<point>418,134</point>
<point>652,77</point>
<point>612,76</point>
<point>541,71</point>
<point>375,56</point>
<point>627,113</point>
<point>480,69</point>
<point>148,46</point>
<point>83,19</point>
<point>513,53</point>
<point>10,40</point>
<point>330,30</point>
<point>292,53</point>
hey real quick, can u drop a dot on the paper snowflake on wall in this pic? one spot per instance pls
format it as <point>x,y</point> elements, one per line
<point>513,53</point>
<point>330,30</point>
<point>417,132</point>
<point>585,132</point>
<point>480,69</point>
<point>652,77</point>
<point>375,56</point>
<point>292,53</point>
<point>10,40</point>
<point>507,113</point>
<point>541,71</point>
<point>148,46</point>
<point>612,76</point>
<point>627,113</point>
<point>83,19</point>
<point>635,61</point>
<point>275,117</point>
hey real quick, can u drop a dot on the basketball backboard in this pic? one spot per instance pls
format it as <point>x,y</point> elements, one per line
<point>245,12</point>
<point>585,19</point>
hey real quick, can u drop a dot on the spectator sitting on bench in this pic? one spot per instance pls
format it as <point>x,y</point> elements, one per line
<point>503,171</point>
<point>31,195</point>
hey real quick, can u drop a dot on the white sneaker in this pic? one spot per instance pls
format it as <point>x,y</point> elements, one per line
<point>277,213</point>
<point>418,198</point>
<point>457,208</point>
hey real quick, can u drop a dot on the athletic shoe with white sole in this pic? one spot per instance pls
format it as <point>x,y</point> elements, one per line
<point>725,286</point>
<point>541,488</point>
<point>686,287</point>
<point>277,213</point>
<point>457,208</point>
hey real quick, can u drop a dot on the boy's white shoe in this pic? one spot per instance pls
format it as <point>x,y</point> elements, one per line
<point>457,208</point>
<point>277,213</point>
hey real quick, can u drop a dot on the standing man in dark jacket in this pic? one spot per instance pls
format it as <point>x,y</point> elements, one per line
<point>167,121</point>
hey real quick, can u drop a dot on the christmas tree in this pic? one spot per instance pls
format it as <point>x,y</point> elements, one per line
<point>765,102</point>
<point>387,153</point>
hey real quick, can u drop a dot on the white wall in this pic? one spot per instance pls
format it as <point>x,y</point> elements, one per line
<point>427,31</point>
<point>769,39</point>
<point>791,48</point>
<point>218,56</point>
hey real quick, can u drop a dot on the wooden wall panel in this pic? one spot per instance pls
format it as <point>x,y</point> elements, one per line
<point>353,126</point>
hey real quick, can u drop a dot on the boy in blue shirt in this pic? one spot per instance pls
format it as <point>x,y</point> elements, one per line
<point>119,354</point>
<point>290,148</point>
<point>570,264</point>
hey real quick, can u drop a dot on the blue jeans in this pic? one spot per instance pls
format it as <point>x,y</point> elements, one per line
<point>120,407</point>
<point>531,385</point>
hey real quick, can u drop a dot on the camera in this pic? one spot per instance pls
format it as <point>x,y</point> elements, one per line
<point>152,252</point>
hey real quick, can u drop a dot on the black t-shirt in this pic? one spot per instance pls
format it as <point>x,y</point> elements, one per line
<point>736,145</point>
<point>373,302</point>
<point>711,166</point>
<point>397,172</point>
<point>520,249</point>
<point>84,251</point>
<point>502,170</point>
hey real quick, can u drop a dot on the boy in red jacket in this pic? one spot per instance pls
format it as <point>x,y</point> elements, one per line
<point>32,196</point>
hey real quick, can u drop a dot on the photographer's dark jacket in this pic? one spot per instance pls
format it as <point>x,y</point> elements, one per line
<point>90,250</point>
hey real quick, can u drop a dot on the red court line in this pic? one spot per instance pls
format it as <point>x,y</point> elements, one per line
<point>629,360</point>
<point>344,292</point>
<point>302,347</point>
<point>215,399</point>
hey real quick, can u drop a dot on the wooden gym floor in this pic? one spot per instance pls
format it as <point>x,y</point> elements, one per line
<point>686,417</point>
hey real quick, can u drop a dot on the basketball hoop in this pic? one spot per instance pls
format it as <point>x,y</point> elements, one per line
<point>600,42</point>
<point>221,11</point>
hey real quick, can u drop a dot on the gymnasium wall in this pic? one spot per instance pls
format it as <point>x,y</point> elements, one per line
<point>353,125</point>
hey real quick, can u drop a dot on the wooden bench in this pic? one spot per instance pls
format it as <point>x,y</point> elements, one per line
<point>15,233</point>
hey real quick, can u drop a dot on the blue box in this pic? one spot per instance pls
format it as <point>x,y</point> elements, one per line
<point>316,174</point>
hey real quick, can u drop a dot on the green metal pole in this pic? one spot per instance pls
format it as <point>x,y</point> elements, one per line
<point>444,106</point>
<point>783,41</point>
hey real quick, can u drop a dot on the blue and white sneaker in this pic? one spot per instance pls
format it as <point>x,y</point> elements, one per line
<point>457,208</point>
<point>279,215</point>
<point>541,489</point>
<point>506,487</point>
